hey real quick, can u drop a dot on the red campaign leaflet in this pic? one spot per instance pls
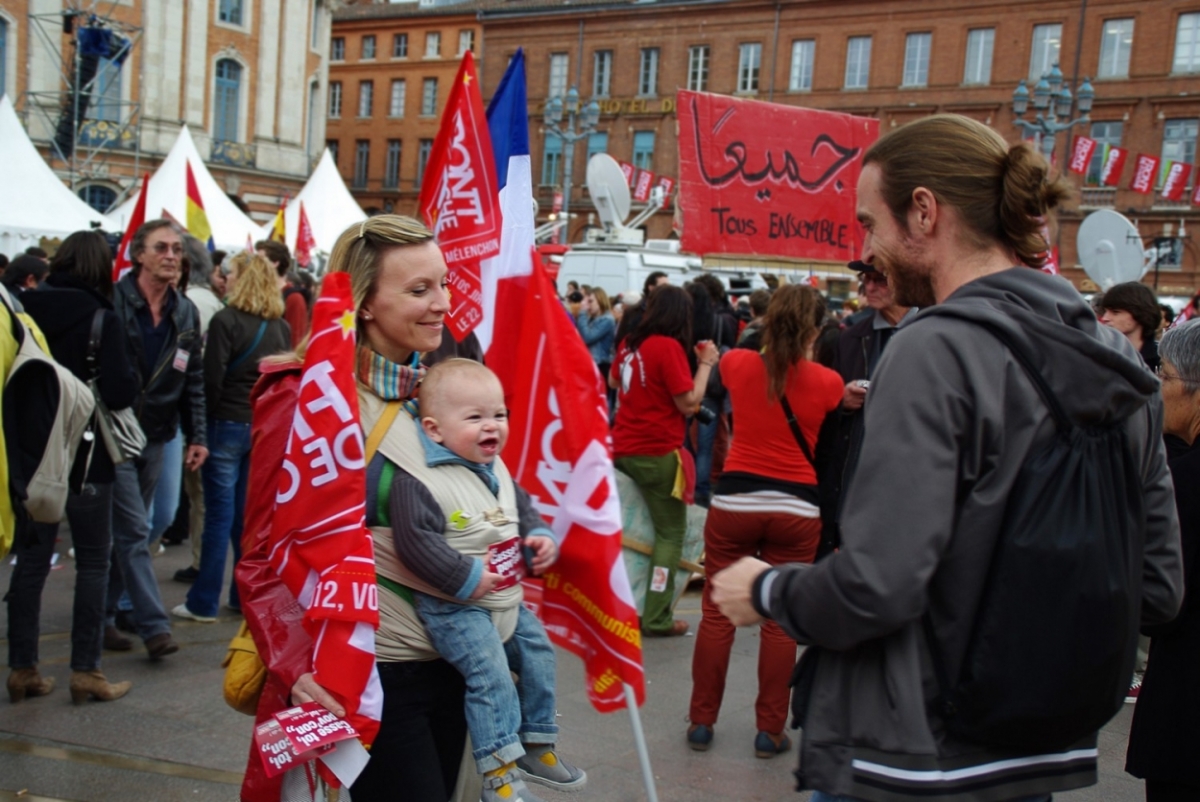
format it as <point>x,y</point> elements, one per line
<point>629,170</point>
<point>764,178</point>
<point>460,195</point>
<point>507,560</point>
<point>560,436</point>
<point>1176,181</point>
<point>668,185</point>
<point>645,182</point>
<point>1144,170</point>
<point>1081,154</point>
<point>298,735</point>
<point>1114,165</point>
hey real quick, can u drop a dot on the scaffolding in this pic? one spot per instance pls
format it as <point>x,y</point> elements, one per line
<point>84,123</point>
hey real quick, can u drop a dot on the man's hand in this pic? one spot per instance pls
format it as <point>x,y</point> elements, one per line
<point>854,396</point>
<point>487,583</point>
<point>306,689</point>
<point>732,588</point>
<point>545,553</point>
<point>196,455</point>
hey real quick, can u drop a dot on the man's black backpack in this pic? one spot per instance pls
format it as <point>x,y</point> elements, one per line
<point>1052,649</point>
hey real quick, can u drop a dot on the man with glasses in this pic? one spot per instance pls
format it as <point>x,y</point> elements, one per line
<point>162,328</point>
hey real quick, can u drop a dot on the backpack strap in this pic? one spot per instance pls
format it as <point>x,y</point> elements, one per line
<point>93,352</point>
<point>240,358</point>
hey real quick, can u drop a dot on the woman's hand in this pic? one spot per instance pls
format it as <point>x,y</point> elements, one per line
<point>545,553</point>
<point>306,689</point>
<point>707,353</point>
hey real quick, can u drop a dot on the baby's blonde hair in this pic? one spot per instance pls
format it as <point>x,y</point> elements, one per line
<point>433,390</point>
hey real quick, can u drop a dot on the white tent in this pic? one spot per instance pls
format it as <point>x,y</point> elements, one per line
<point>328,205</point>
<point>168,190</point>
<point>35,203</point>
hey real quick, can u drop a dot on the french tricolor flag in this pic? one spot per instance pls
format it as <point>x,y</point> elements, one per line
<point>505,277</point>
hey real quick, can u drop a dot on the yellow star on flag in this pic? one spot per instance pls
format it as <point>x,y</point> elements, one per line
<point>346,321</point>
<point>467,80</point>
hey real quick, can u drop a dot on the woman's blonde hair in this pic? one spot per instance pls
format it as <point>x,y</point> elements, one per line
<point>256,291</point>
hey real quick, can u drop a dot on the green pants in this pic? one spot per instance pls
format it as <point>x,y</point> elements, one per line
<point>655,477</point>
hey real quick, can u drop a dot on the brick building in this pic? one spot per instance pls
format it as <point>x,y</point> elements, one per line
<point>246,76</point>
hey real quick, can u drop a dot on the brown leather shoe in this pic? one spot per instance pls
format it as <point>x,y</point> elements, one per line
<point>24,682</point>
<point>114,641</point>
<point>161,645</point>
<point>93,685</point>
<point>677,628</point>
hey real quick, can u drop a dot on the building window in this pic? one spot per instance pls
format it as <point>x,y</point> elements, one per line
<point>466,41</point>
<point>335,99</point>
<point>551,158</point>
<point>98,197</point>
<point>858,62</point>
<point>1116,42</point>
<point>106,92</point>
<point>226,100</point>
<point>800,78</point>
<point>978,69</point>
<point>643,149</point>
<point>332,146</point>
<point>1179,143</point>
<point>1047,41</point>
<point>400,45</point>
<point>429,97</point>
<point>916,59</point>
<point>648,73</point>
<point>426,147</point>
<point>337,49</point>
<point>362,161</point>
<point>368,48</point>
<point>601,73</point>
<point>1187,44</point>
<point>230,11</point>
<point>391,170</point>
<point>366,98</point>
<point>697,68</point>
<point>749,67</point>
<point>558,75</point>
<point>399,92</point>
<point>1106,134</point>
<point>597,143</point>
<point>433,44</point>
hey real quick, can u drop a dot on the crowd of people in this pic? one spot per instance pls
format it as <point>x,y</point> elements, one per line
<point>861,470</point>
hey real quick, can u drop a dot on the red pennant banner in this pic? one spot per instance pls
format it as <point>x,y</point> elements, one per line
<point>1081,154</point>
<point>124,261</point>
<point>1175,184</point>
<point>1196,195</point>
<point>668,185</point>
<point>1144,170</point>
<point>1113,166</point>
<point>460,195</point>
<point>630,171</point>
<point>645,182</point>
<point>306,243</point>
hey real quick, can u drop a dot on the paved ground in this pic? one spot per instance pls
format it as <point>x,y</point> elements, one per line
<point>173,738</point>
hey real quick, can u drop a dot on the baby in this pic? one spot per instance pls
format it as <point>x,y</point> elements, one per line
<point>477,554</point>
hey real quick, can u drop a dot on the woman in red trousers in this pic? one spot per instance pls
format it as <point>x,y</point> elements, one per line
<point>765,504</point>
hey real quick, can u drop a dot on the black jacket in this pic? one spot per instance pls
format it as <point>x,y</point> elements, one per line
<point>64,308</point>
<point>231,332</point>
<point>169,396</point>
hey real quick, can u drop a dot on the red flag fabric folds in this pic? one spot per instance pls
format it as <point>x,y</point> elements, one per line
<point>124,261</point>
<point>1112,166</point>
<point>1144,171</point>
<point>1081,154</point>
<point>1175,183</point>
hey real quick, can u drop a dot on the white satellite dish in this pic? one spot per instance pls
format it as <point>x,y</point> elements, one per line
<point>609,190</point>
<point>1110,249</point>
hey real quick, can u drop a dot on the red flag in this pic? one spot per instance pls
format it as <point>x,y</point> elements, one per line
<point>305,242</point>
<point>668,184</point>
<point>1081,154</point>
<point>562,457</point>
<point>1144,170</point>
<point>645,182</point>
<point>319,542</point>
<point>630,171</point>
<point>459,197</point>
<point>1113,166</point>
<point>124,262</point>
<point>1196,195</point>
<point>1176,181</point>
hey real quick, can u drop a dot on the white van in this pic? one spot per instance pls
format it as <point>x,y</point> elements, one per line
<point>618,269</point>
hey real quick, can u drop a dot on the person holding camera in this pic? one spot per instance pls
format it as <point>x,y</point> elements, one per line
<point>765,503</point>
<point>656,392</point>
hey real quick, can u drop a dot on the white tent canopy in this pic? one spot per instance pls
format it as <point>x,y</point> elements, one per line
<point>168,190</point>
<point>328,205</point>
<point>36,202</point>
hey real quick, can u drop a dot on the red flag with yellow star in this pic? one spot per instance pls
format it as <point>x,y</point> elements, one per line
<point>460,197</point>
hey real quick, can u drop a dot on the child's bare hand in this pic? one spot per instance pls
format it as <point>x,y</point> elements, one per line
<point>487,583</point>
<point>545,553</point>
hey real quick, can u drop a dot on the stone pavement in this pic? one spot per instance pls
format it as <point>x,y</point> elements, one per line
<point>173,739</point>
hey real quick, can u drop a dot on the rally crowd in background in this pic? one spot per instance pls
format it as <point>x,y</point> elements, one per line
<point>780,416</point>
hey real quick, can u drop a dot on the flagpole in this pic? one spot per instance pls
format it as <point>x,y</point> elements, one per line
<point>639,739</point>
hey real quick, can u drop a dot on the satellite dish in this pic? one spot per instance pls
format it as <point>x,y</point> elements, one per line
<point>609,190</point>
<point>1110,249</point>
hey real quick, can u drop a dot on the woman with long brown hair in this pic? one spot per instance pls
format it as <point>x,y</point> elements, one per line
<point>765,504</point>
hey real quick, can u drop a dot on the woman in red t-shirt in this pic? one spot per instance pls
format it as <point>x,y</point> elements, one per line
<point>656,391</point>
<point>765,504</point>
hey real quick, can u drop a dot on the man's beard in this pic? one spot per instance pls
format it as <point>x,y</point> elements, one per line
<point>910,286</point>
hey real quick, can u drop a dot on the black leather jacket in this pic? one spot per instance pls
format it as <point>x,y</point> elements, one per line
<point>168,397</point>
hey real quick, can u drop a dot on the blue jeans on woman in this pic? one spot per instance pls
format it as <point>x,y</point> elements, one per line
<point>224,475</point>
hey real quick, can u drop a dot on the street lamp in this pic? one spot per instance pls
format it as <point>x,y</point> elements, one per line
<point>1052,99</point>
<point>579,124</point>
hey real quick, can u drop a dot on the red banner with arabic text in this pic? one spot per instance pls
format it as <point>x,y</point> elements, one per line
<point>1081,154</point>
<point>764,178</point>
<point>560,452</point>
<point>1144,171</point>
